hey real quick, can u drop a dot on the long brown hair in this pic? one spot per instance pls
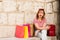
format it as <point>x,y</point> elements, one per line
<point>38,13</point>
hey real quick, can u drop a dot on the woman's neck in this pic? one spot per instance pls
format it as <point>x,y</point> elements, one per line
<point>39,19</point>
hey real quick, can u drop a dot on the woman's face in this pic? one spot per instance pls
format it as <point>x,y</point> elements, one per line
<point>40,14</point>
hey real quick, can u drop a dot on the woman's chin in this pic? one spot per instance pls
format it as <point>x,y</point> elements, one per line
<point>40,16</point>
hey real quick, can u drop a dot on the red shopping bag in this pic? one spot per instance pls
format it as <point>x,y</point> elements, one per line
<point>29,32</point>
<point>51,31</point>
<point>19,31</point>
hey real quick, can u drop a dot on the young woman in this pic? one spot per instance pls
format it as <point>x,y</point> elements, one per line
<point>40,24</point>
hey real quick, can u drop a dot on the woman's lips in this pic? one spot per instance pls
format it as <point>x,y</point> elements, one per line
<point>40,15</point>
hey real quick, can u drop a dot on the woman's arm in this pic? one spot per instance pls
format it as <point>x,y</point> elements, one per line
<point>46,26</point>
<point>37,27</point>
<point>42,28</point>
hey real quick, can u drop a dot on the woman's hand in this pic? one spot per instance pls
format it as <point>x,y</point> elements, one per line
<point>46,28</point>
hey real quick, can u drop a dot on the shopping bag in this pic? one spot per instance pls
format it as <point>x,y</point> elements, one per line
<point>29,29</point>
<point>25,31</point>
<point>19,31</point>
<point>51,31</point>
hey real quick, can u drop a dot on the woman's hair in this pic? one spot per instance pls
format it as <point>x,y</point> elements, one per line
<point>38,13</point>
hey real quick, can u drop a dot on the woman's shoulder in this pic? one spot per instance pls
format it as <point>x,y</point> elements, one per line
<point>44,20</point>
<point>35,20</point>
